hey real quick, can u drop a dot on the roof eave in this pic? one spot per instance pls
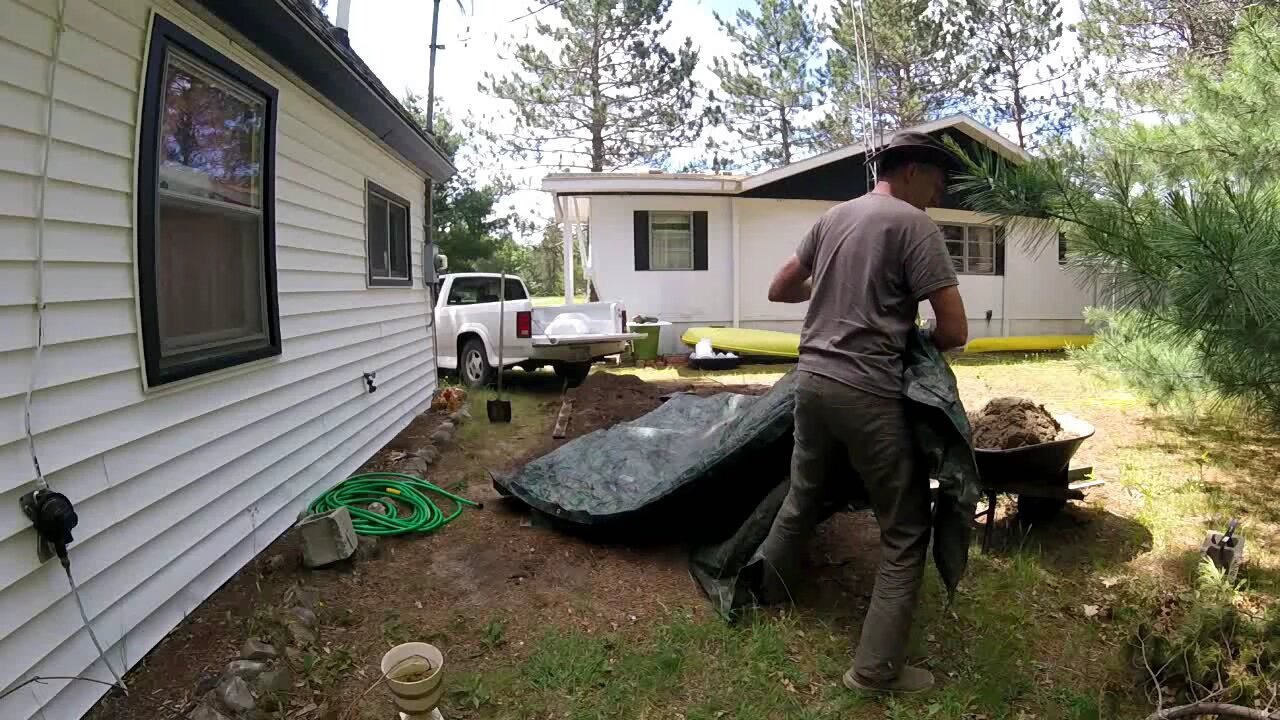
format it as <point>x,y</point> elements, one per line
<point>301,41</point>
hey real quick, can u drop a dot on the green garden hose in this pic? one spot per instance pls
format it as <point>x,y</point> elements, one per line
<point>358,491</point>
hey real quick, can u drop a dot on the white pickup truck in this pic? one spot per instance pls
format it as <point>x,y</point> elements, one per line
<point>568,338</point>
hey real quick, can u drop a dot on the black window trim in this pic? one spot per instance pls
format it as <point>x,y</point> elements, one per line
<point>375,281</point>
<point>641,239</point>
<point>166,34</point>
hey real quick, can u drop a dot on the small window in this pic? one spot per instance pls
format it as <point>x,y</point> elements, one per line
<point>515,290</point>
<point>1062,248</point>
<point>670,241</point>
<point>387,229</point>
<point>972,248</point>
<point>207,274</point>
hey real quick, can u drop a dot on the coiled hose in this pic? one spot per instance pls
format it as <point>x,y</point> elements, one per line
<point>358,491</point>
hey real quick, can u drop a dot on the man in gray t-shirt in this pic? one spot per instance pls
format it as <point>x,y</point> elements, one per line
<point>864,268</point>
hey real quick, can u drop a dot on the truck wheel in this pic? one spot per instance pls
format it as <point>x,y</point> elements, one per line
<point>474,368</point>
<point>575,373</point>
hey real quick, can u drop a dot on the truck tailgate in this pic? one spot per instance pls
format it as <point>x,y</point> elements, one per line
<point>588,339</point>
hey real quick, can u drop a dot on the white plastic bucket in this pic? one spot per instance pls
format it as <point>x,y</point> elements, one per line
<point>420,697</point>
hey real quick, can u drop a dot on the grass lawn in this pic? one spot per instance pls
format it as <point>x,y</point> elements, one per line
<point>1041,628</point>
<point>551,300</point>
<point>537,623</point>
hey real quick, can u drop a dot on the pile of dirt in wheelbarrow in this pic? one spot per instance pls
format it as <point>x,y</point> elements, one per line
<point>1013,422</point>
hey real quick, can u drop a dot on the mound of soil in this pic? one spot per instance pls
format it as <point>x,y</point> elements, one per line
<point>605,399</point>
<point>1012,422</point>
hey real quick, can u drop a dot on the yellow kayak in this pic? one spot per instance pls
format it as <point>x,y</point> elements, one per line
<point>769,343</point>
<point>746,341</point>
<point>1027,343</point>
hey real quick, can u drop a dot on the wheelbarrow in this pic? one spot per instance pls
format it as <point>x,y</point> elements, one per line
<point>1039,475</point>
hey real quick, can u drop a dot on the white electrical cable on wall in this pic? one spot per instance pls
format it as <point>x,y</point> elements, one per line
<point>59,30</point>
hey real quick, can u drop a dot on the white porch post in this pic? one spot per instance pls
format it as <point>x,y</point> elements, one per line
<point>568,246</point>
<point>735,260</point>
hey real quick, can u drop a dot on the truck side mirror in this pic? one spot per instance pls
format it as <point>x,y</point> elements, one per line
<point>441,262</point>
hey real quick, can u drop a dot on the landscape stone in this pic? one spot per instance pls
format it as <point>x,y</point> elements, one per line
<point>273,684</point>
<point>245,669</point>
<point>367,548</point>
<point>235,695</point>
<point>377,508</point>
<point>206,712</point>
<point>255,649</point>
<point>462,415</point>
<point>301,634</point>
<point>304,616</point>
<point>327,538</point>
<point>207,683</point>
<point>308,597</point>
<point>443,434</point>
<point>294,655</point>
<point>273,563</point>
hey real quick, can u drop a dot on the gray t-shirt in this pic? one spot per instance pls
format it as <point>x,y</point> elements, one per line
<point>872,259</point>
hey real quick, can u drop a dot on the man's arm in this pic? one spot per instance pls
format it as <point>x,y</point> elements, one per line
<point>951,328</point>
<point>791,284</point>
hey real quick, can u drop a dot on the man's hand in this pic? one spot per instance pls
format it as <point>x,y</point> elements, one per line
<point>951,329</point>
<point>791,284</point>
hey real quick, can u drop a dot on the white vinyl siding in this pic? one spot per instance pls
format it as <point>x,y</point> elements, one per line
<point>176,490</point>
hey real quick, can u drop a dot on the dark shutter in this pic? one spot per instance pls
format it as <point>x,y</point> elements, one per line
<point>1000,251</point>
<point>641,239</point>
<point>700,240</point>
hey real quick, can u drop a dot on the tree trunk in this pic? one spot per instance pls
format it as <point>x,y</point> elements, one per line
<point>598,113</point>
<point>786,135</point>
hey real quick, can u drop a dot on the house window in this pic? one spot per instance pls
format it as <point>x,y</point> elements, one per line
<point>667,240</point>
<point>670,241</point>
<point>1062,248</point>
<point>206,235</point>
<point>972,248</point>
<point>387,228</point>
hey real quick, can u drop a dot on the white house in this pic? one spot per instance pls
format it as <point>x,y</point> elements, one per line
<point>211,228</point>
<point>701,249</point>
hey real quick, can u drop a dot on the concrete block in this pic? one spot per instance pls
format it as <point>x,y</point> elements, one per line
<point>327,538</point>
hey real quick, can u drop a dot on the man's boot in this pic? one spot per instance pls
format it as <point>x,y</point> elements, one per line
<point>910,680</point>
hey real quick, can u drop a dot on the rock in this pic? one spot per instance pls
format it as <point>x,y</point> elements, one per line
<point>327,538</point>
<point>294,655</point>
<point>207,683</point>
<point>443,434</point>
<point>304,616</point>
<point>367,548</point>
<point>273,564</point>
<point>235,695</point>
<point>272,686</point>
<point>245,669</point>
<point>255,649</point>
<point>462,415</point>
<point>377,508</point>
<point>301,634</point>
<point>308,597</point>
<point>206,712</point>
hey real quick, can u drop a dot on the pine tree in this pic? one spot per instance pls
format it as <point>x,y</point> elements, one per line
<point>1183,219</point>
<point>769,82</point>
<point>919,70</point>
<point>613,95</point>
<point>1138,46</point>
<point>1012,41</point>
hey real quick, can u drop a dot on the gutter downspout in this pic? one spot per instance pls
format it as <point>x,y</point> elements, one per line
<point>735,256</point>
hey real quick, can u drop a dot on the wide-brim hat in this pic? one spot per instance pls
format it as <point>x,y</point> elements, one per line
<point>918,147</point>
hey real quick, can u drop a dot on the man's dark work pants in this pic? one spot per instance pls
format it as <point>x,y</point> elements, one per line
<point>875,433</point>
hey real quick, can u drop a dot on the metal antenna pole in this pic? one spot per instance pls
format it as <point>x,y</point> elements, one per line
<point>431,73</point>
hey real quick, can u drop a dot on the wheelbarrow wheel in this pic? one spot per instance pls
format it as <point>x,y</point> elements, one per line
<point>574,373</point>
<point>1033,510</point>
